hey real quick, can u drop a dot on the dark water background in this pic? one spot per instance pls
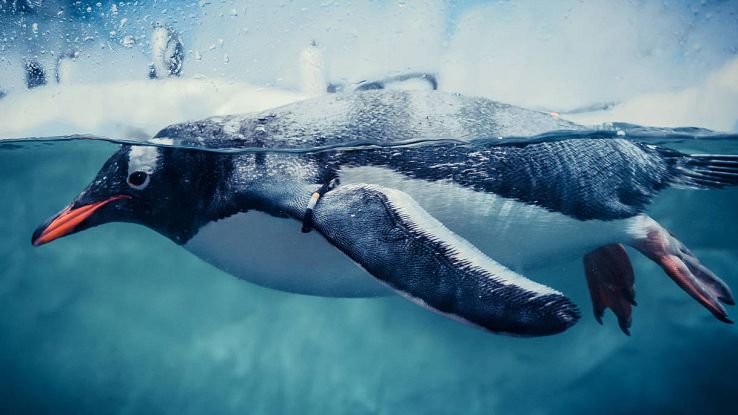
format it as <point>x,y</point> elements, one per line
<point>118,319</point>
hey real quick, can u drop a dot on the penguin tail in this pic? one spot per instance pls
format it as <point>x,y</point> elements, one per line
<point>706,171</point>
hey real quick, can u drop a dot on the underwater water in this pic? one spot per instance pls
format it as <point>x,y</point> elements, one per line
<point>120,320</point>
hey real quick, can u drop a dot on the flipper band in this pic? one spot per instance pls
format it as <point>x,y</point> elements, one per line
<point>307,220</point>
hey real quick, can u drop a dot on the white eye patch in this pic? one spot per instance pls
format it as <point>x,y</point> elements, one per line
<point>143,158</point>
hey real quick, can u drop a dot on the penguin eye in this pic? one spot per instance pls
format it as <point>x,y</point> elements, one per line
<point>138,180</point>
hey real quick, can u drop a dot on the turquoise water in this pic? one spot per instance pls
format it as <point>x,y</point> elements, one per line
<point>119,319</point>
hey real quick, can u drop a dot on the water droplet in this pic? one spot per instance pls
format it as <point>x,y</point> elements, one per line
<point>128,41</point>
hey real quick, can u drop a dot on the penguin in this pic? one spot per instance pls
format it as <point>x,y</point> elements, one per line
<point>167,53</point>
<point>312,70</point>
<point>423,80</point>
<point>35,74</point>
<point>61,69</point>
<point>448,224</point>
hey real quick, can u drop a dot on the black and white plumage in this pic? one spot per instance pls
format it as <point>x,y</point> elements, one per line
<point>167,53</point>
<point>602,179</point>
<point>383,117</point>
<point>35,74</point>
<point>394,239</point>
<point>448,224</point>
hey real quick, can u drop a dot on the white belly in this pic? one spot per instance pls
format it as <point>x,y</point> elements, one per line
<point>273,252</point>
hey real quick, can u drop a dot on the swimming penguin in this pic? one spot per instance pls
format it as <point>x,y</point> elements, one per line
<point>447,224</point>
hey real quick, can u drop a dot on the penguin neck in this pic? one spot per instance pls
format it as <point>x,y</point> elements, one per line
<point>283,201</point>
<point>217,203</point>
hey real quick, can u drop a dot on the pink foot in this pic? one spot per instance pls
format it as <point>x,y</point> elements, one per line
<point>610,280</point>
<point>685,269</point>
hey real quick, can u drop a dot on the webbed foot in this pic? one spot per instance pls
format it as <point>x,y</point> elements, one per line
<point>610,281</point>
<point>685,269</point>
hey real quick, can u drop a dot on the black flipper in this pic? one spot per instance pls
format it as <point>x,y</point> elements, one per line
<point>395,240</point>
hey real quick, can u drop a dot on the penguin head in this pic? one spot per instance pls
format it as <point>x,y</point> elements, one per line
<point>158,187</point>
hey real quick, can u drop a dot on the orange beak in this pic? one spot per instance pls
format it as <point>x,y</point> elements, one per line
<point>68,219</point>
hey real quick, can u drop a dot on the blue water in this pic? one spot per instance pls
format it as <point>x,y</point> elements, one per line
<point>118,319</point>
